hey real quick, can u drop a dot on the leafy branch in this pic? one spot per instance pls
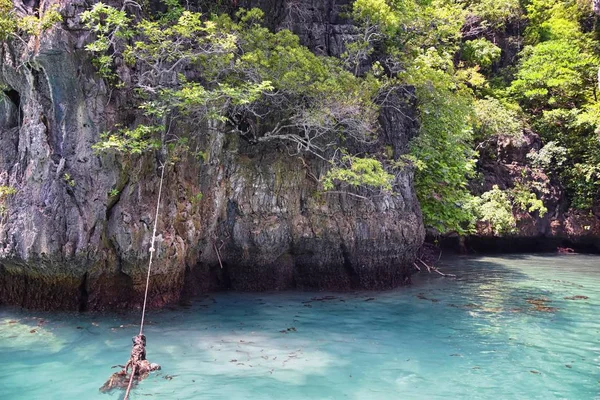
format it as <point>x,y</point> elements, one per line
<point>234,73</point>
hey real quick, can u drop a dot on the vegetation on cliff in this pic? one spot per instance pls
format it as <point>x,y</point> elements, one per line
<point>471,94</point>
<point>239,77</point>
<point>483,72</point>
<point>12,25</point>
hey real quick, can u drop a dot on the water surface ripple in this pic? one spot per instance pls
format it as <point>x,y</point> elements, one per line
<point>513,327</point>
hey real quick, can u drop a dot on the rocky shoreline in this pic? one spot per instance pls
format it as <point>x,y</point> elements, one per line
<point>76,233</point>
<point>236,215</point>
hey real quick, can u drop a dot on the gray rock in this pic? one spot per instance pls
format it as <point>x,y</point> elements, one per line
<point>77,233</point>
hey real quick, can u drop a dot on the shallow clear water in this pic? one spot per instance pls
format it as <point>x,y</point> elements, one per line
<point>489,334</point>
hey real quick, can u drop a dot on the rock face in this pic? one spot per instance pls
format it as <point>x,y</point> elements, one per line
<point>319,23</point>
<point>247,217</point>
<point>505,162</point>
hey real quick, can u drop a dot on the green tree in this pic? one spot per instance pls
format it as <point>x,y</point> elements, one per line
<point>14,26</point>
<point>497,208</point>
<point>443,153</point>
<point>495,14</point>
<point>419,40</point>
<point>480,52</point>
<point>246,79</point>
<point>556,85</point>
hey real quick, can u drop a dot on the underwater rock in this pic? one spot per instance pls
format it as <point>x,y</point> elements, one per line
<point>541,304</point>
<point>577,297</point>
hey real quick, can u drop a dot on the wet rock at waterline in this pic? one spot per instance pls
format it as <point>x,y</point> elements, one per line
<point>247,217</point>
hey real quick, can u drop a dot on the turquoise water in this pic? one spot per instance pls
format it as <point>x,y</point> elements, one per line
<point>502,330</point>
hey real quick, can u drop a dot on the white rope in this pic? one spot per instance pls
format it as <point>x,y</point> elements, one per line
<point>162,175</point>
<point>130,383</point>
<point>152,248</point>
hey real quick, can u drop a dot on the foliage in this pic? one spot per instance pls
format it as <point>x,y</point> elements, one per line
<point>419,40</point>
<point>376,12</point>
<point>358,172</point>
<point>111,27</point>
<point>550,157</point>
<point>69,180</point>
<point>13,26</point>
<point>443,148</point>
<point>480,52</point>
<point>450,111</point>
<point>8,23</point>
<point>496,207</point>
<point>524,199</point>
<point>553,19</point>
<point>197,198</point>
<point>558,73</point>
<point>558,68</point>
<point>34,25</point>
<point>589,118</point>
<point>173,12</point>
<point>5,193</point>
<point>583,182</point>
<point>130,141</point>
<point>556,85</point>
<point>232,72</point>
<point>493,118</point>
<point>404,29</point>
<point>495,13</point>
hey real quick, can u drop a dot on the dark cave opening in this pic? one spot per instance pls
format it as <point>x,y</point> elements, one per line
<point>15,98</point>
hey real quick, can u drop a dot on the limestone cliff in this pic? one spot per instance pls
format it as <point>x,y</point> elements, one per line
<point>503,162</point>
<point>76,234</point>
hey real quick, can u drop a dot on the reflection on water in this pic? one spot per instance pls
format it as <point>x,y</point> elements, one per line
<point>524,327</point>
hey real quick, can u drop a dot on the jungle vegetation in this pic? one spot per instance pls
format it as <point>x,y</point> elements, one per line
<point>483,71</point>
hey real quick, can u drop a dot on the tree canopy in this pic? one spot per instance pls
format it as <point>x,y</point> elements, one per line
<point>482,72</point>
<point>470,94</point>
<point>262,85</point>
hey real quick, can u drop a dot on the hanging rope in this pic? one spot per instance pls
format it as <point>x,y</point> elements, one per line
<point>162,175</point>
<point>130,383</point>
<point>152,249</point>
